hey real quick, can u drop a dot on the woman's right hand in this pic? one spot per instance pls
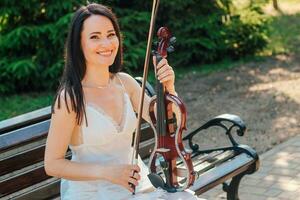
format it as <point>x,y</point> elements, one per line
<point>124,175</point>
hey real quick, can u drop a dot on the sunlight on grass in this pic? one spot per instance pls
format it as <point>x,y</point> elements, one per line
<point>287,7</point>
<point>284,36</point>
<point>241,4</point>
<point>284,33</point>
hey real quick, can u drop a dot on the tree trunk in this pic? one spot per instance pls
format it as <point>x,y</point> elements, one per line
<point>275,4</point>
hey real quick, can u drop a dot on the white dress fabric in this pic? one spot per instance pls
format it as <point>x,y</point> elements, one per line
<point>106,142</point>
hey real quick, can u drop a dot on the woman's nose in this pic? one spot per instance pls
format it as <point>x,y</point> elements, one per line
<point>105,42</point>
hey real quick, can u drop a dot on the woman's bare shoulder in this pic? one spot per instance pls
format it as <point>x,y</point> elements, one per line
<point>130,84</point>
<point>63,102</point>
<point>128,81</point>
<point>125,77</point>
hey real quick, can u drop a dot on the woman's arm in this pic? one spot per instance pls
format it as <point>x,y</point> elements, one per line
<point>134,90</point>
<point>62,126</point>
<point>59,136</point>
<point>165,75</point>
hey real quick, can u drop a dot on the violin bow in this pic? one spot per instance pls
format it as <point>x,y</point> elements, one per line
<point>137,135</point>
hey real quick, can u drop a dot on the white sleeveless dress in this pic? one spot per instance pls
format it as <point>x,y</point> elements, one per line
<point>106,142</point>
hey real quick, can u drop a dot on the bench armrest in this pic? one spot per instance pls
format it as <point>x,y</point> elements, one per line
<point>233,121</point>
<point>149,89</point>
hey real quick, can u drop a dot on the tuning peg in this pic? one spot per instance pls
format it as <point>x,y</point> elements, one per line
<point>172,40</point>
<point>170,49</point>
<point>154,52</point>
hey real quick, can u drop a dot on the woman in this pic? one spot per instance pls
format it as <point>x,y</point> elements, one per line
<point>94,115</point>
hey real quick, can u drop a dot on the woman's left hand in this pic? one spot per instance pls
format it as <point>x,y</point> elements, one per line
<point>165,74</point>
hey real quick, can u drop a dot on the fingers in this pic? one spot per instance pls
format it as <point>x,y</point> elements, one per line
<point>132,168</point>
<point>136,176</point>
<point>165,79</point>
<point>126,176</point>
<point>135,168</point>
<point>161,63</point>
<point>129,188</point>
<point>133,181</point>
<point>133,177</point>
<point>134,172</point>
<point>164,69</point>
<point>165,72</point>
<point>154,60</point>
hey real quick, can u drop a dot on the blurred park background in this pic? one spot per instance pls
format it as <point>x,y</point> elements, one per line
<point>212,36</point>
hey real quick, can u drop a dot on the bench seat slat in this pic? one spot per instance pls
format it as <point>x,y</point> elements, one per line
<point>48,189</point>
<point>200,158</point>
<point>205,166</point>
<point>22,160</point>
<point>146,132</point>
<point>27,179</point>
<point>220,174</point>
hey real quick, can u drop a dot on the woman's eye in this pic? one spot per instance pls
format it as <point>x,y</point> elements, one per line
<point>111,35</point>
<point>94,37</point>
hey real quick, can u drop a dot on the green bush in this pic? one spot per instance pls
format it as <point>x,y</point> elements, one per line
<point>245,33</point>
<point>31,44</point>
<point>32,36</point>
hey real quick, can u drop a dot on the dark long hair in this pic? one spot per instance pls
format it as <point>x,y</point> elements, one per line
<point>70,87</point>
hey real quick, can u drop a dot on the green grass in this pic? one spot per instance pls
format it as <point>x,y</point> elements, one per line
<point>284,28</point>
<point>284,35</point>
<point>14,105</point>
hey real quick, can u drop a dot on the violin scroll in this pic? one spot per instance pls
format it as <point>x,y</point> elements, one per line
<point>165,43</point>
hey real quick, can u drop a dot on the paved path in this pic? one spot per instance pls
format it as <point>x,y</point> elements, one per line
<point>277,179</point>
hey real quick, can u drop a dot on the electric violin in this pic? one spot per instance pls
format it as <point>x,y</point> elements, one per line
<point>168,127</point>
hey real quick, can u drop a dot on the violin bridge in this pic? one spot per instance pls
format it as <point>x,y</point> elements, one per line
<point>162,150</point>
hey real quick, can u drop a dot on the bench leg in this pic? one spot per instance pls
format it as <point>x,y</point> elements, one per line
<point>232,189</point>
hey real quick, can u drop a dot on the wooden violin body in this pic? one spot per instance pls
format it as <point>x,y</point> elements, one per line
<point>168,130</point>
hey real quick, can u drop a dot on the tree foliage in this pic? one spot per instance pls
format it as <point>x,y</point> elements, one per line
<point>32,36</point>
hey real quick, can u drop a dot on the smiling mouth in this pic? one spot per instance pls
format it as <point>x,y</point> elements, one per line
<point>105,53</point>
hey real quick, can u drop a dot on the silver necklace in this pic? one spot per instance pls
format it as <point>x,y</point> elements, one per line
<point>95,86</point>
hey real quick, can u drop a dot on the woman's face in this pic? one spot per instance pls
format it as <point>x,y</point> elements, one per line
<point>99,41</point>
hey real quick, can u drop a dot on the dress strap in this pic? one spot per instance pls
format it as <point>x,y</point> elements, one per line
<point>117,75</point>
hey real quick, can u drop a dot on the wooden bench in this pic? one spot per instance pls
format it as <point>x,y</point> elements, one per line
<point>22,146</point>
